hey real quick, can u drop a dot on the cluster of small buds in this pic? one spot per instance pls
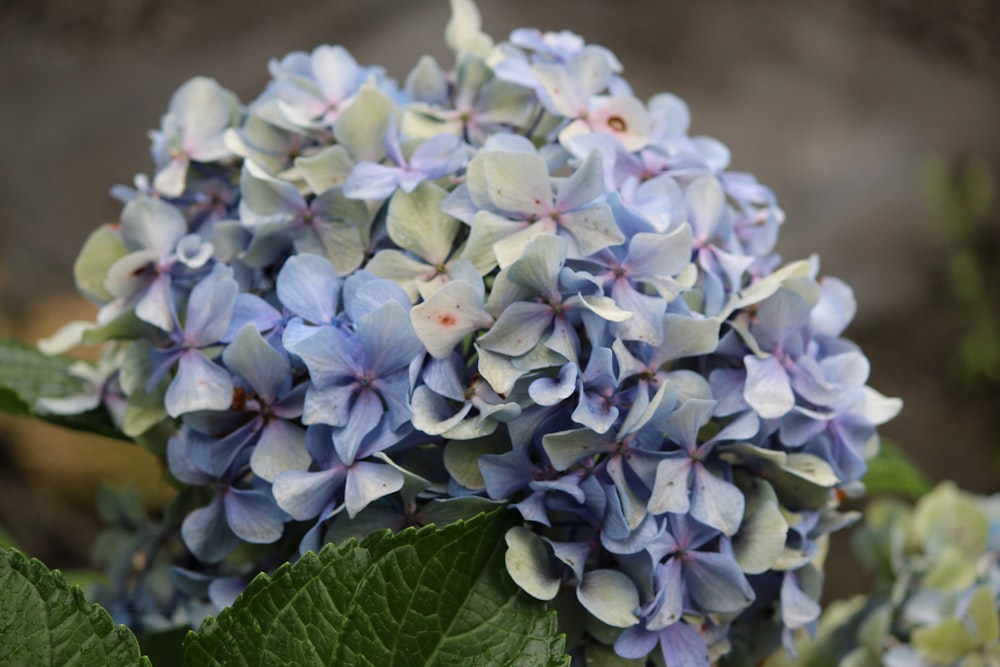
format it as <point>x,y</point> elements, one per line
<point>359,305</point>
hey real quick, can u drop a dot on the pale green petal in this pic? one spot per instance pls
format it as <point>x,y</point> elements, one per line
<point>415,222</point>
<point>527,561</point>
<point>361,127</point>
<point>610,596</point>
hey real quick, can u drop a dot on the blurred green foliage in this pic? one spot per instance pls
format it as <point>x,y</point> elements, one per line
<point>963,201</point>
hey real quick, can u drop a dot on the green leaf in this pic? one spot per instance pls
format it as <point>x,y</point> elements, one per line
<point>27,375</point>
<point>45,621</point>
<point>893,472</point>
<point>437,596</point>
<point>945,642</point>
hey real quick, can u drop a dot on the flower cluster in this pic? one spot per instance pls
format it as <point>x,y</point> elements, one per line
<point>936,597</point>
<point>356,304</point>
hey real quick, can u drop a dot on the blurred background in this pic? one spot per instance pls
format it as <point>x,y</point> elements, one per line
<point>874,121</point>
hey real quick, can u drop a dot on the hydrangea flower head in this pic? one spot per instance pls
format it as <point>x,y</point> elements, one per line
<point>352,302</point>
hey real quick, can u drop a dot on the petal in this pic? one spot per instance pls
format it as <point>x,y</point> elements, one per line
<point>388,339</point>
<point>251,309</point>
<point>198,385</point>
<point>264,198</point>
<point>448,316</point>
<point>716,582</point>
<point>552,391</point>
<point>583,186</point>
<point>646,323</point>
<point>671,490</point>
<point>797,608</point>
<point>651,255</point>
<point>149,223</point>
<point>210,307</point>
<point>768,389</point>
<point>308,286</point>
<point>415,222</point>
<point>253,516</point>
<point>670,589</point>
<point>365,414</point>
<point>683,424</point>
<point>332,356</point>
<point>527,561</point>
<point>517,183</point>
<point>206,532</point>
<point>304,494</point>
<point>682,646</point>
<point>503,474</point>
<point>686,337</point>
<point>716,502</point>
<point>518,329</point>
<point>281,447</point>
<point>592,228</point>
<point>636,642</point>
<point>706,204</point>
<point>265,369</point>
<point>610,596</point>
<point>433,414</point>
<point>761,538</point>
<point>567,447</point>
<point>367,482</point>
<point>372,181</point>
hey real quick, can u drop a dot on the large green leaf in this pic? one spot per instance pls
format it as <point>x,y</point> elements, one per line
<point>45,621</point>
<point>27,375</point>
<point>427,597</point>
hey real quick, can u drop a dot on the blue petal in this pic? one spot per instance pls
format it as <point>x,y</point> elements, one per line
<point>716,502</point>
<point>670,595</point>
<point>266,370</point>
<point>329,405</point>
<point>253,516</point>
<point>309,287</point>
<point>778,317</point>
<point>332,355</point>
<point>518,329</point>
<point>156,305</point>
<point>372,181</point>
<point>636,643</point>
<point>716,583</point>
<point>251,309</point>
<point>367,482</point>
<point>552,391</point>
<point>198,385</point>
<point>206,532</point>
<point>388,339</point>
<point>768,389</point>
<point>365,414</point>
<point>210,307</point>
<point>683,424</point>
<point>797,608</point>
<point>682,646</point>
<point>671,490</point>
<point>365,293</point>
<point>304,494</point>
<point>281,447</point>
<point>503,474</point>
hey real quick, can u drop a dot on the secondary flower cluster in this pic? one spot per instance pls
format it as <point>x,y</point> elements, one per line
<point>936,598</point>
<point>356,304</point>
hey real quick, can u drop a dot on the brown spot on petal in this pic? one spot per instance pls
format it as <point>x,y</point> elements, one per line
<point>617,123</point>
<point>446,319</point>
